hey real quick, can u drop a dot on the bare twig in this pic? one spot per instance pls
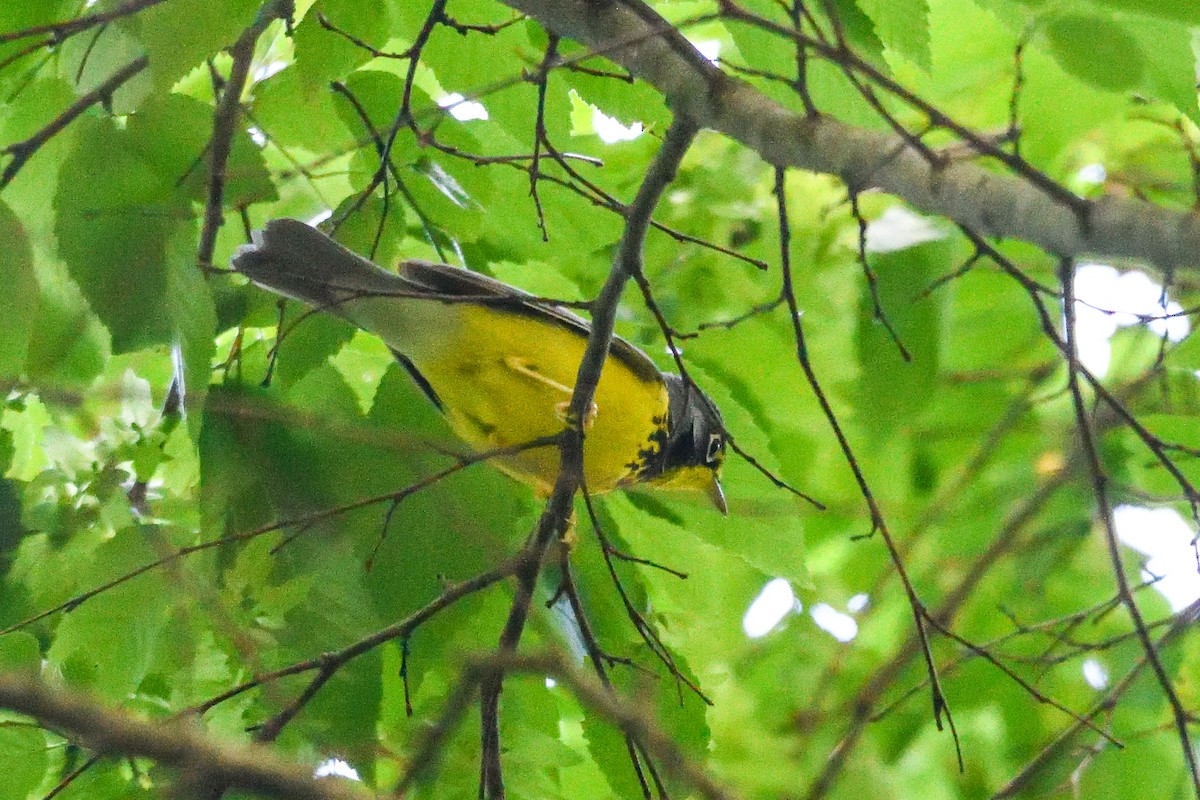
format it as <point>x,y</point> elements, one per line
<point>381,150</point>
<point>1022,205</point>
<point>651,638</point>
<point>626,715</point>
<point>27,50</point>
<point>878,521</point>
<point>1184,620</point>
<point>334,660</point>
<point>554,520</point>
<point>72,776</point>
<point>225,121</point>
<point>308,520</point>
<point>597,657</point>
<point>70,27</point>
<point>1109,529</point>
<point>539,131</point>
<point>23,150</point>
<point>872,278</point>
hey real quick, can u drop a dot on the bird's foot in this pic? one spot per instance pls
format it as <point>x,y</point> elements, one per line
<point>563,412</point>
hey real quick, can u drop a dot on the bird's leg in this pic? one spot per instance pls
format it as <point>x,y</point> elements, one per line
<point>567,538</point>
<point>563,411</point>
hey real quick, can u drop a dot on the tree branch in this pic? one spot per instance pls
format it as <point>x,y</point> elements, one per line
<point>70,27</point>
<point>23,150</point>
<point>627,716</point>
<point>1108,526</point>
<point>1181,622</point>
<point>634,36</point>
<point>560,507</point>
<point>225,119</point>
<point>175,744</point>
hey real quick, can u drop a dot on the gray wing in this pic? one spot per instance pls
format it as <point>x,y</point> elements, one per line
<point>299,261</point>
<point>445,280</point>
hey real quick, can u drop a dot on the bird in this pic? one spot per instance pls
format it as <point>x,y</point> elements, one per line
<point>500,365</point>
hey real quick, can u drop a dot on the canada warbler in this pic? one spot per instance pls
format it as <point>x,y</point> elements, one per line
<point>501,364</point>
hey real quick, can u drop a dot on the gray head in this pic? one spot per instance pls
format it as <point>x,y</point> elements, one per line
<point>695,446</point>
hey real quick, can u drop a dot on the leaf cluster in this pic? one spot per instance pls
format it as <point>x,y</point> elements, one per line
<point>161,412</point>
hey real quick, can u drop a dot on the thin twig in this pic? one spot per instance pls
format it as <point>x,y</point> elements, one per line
<point>462,463</point>
<point>539,131</point>
<point>878,522</point>
<point>1183,621</point>
<point>1109,528</point>
<point>554,520</point>
<point>402,629</point>
<point>23,150</point>
<point>225,122</point>
<point>70,27</point>
<point>597,658</point>
<point>628,716</point>
<point>846,57</point>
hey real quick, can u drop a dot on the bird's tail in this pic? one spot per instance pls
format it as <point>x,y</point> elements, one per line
<point>298,261</point>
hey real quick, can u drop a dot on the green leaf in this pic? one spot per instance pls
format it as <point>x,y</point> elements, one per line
<point>21,16</point>
<point>1046,132</point>
<point>11,528</point>
<point>1170,62</point>
<point>861,29</point>
<point>607,747</point>
<point>1187,354</point>
<point>530,729</point>
<point>903,26</point>
<point>375,230</point>
<point>117,208</point>
<point>1076,39</point>
<point>20,652</point>
<point>376,93</point>
<point>18,303</point>
<point>68,346</point>
<point>193,318</point>
<point>1181,10</point>
<point>297,113</point>
<point>257,464</point>
<point>308,341</point>
<point>105,781</point>
<point>86,648</point>
<point>1146,471</point>
<point>179,36</point>
<point>88,67</point>
<point>893,389</point>
<point>25,753</point>
<point>323,55</point>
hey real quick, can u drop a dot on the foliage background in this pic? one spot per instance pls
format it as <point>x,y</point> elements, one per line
<point>971,447</point>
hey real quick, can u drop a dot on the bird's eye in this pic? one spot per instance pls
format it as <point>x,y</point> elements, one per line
<point>715,443</point>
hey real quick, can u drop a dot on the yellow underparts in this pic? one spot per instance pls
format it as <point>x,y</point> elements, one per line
<point>505,378</point>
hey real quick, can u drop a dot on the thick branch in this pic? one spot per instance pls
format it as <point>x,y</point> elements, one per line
<point>634,36</point>
<point>175,744</point>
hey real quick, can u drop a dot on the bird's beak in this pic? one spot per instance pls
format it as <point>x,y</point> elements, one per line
<point>716,494</point>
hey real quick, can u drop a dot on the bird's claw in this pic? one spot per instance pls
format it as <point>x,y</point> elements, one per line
<point>563,412</point>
